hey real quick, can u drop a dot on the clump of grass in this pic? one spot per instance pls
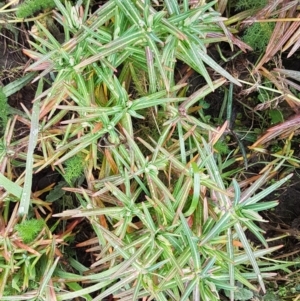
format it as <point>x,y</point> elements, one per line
<point>167,223</point>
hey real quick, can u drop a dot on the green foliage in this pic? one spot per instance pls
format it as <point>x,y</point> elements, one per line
<point>276,116</point>
<point>168,225</point>
<point>221,147</point>
<point>258,35</point>
<point>271,296</point>
<point>57,192</point>
<point>248,4</point>
<point>74,168</point>
<point>29,229</point>
<point>29,7</point>
<point>241,294</point>
<point>4,109</point>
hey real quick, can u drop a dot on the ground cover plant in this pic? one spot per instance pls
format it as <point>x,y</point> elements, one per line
<point>155,183</point>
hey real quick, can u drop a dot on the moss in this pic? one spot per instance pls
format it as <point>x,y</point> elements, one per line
<point>258,35</point>
<point>221,147</point>
<point>74,168</point>
<point>4,109</point>
<point>247,4</point>
<point>29,7</point>
<point>29,229</point>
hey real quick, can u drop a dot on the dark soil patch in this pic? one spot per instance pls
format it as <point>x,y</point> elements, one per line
<point>284,219</point>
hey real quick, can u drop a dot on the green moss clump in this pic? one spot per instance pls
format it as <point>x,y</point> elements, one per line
<point>222,148</point>
<point>29,229</point>
<point>250,4</point>
<point>258,35</point>
<point>74,168</point>
<point>4,109</point>
<point>29,7</point>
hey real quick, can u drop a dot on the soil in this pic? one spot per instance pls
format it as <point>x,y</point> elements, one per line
<point>284,219</point>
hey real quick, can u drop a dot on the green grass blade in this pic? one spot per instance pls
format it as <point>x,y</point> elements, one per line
<point>192,243</point>
<point>223,223</point>
<point>131,13</point>
<point>33,137</point>
<point>230,252</point>
<point>189,289</point>
<point>112,47</point>
<point>18,84</point>
<point>151,70</point>
<point>10,186</point>
<point>237,192</point>
<point>249,253</point>
<point>266,191</point>
<point>210,62</point>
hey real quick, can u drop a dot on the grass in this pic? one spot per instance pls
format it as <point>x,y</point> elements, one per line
<point>168,210</point>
